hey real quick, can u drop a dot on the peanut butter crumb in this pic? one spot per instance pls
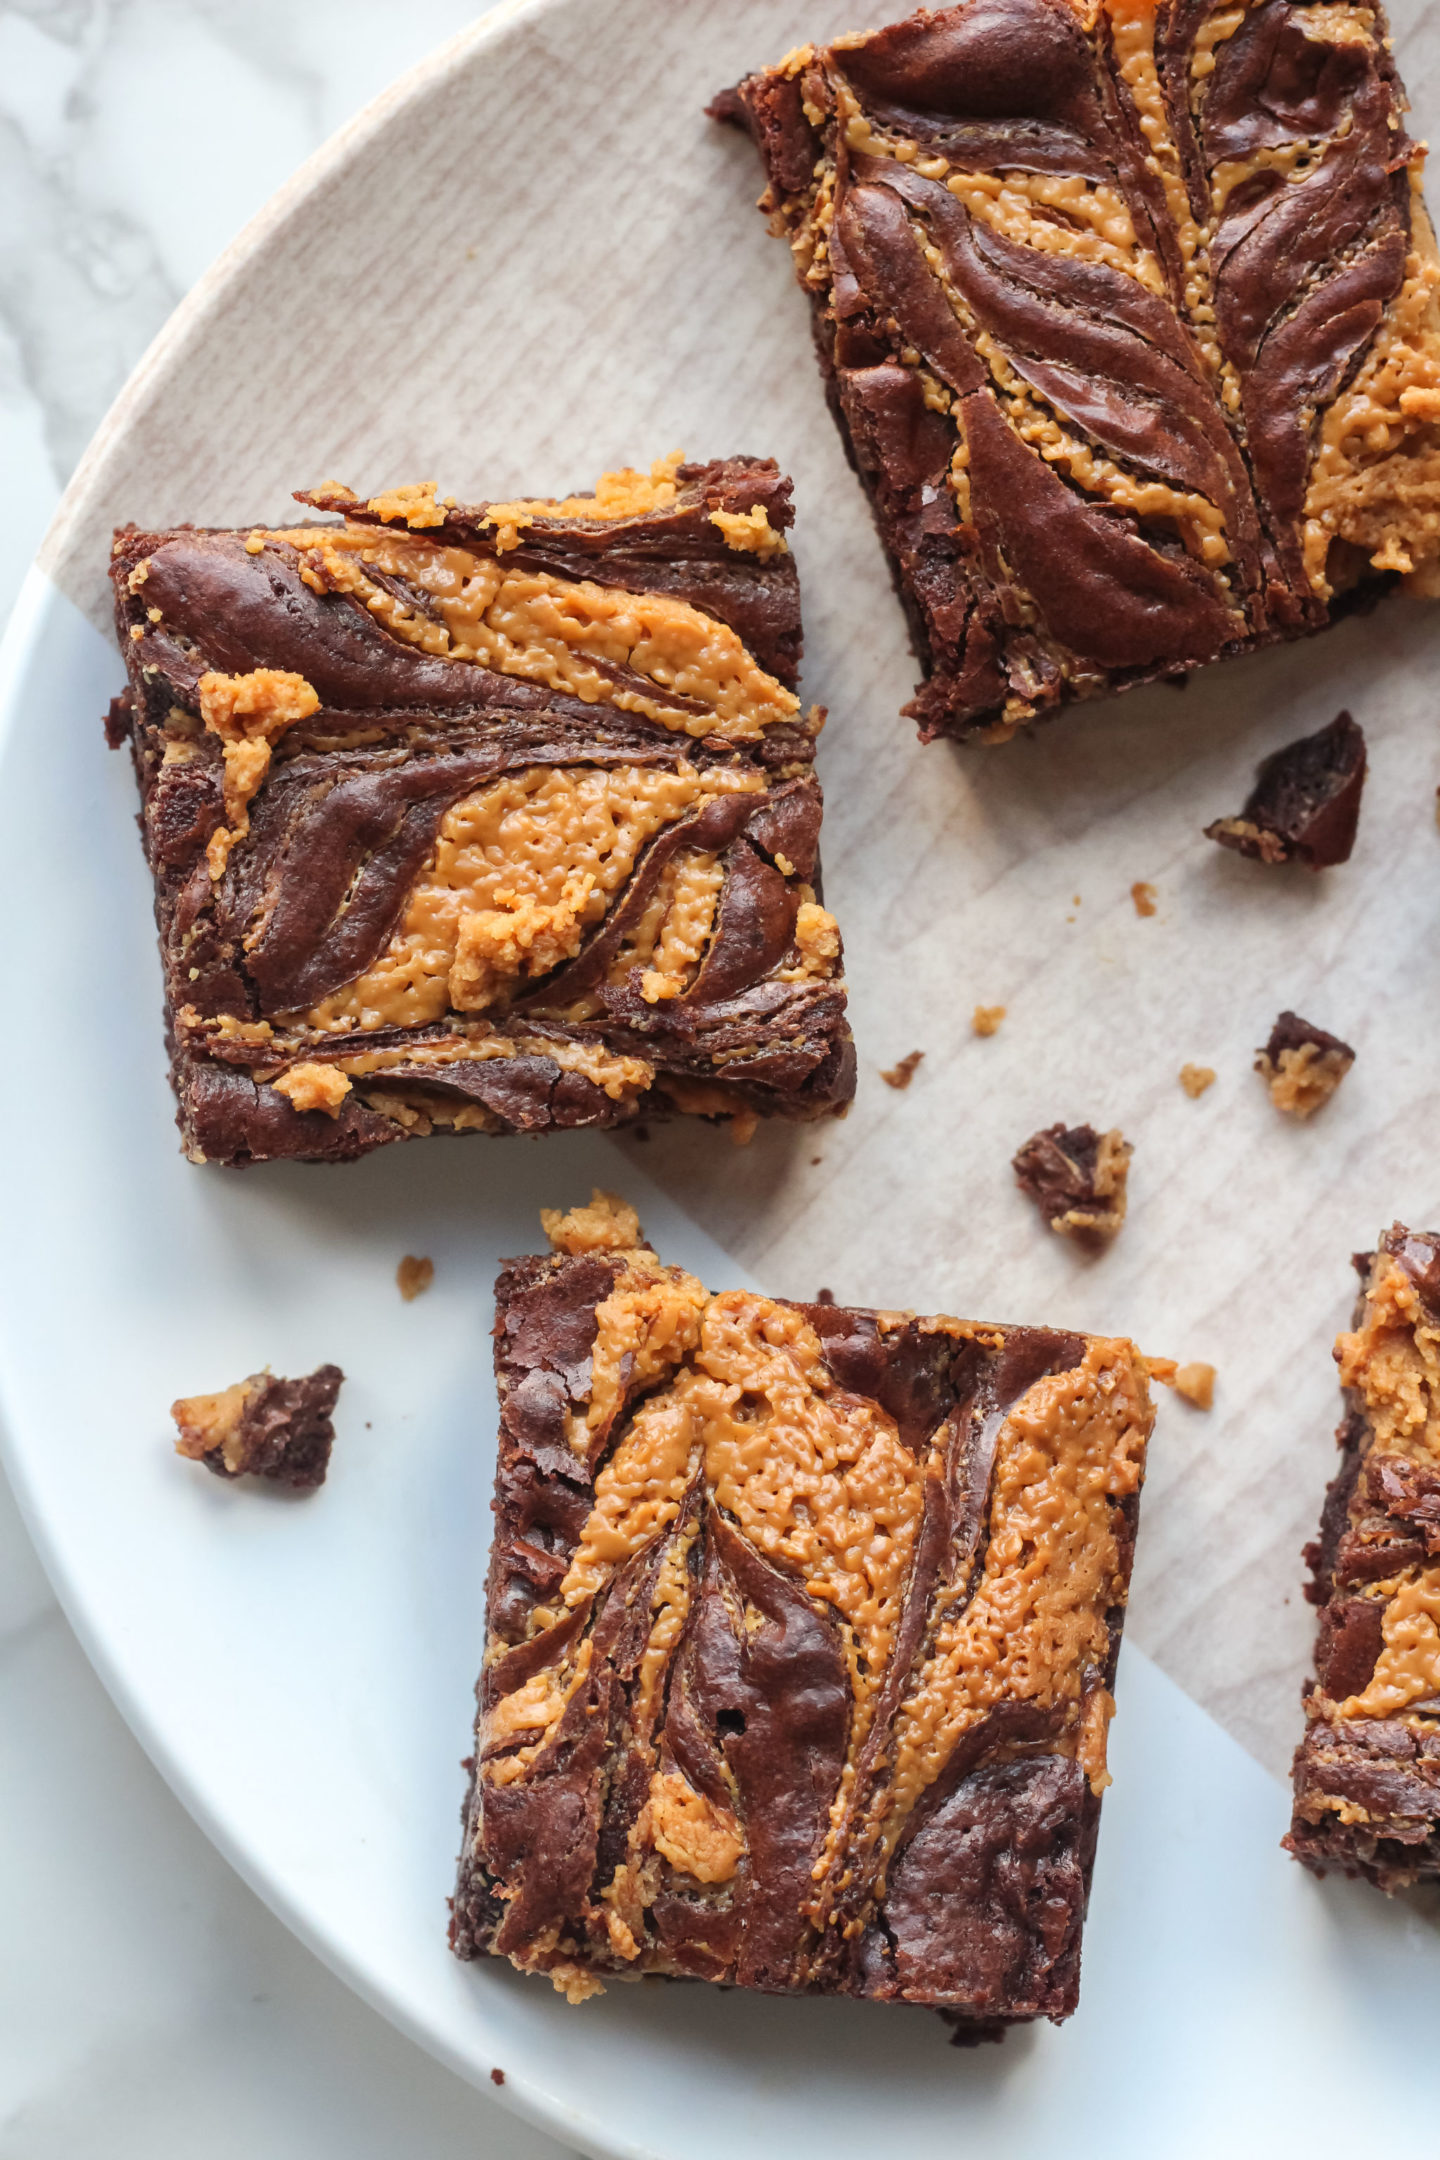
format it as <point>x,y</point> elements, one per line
<point>413,1277</point>
<point>986,1019</point>
<point>313,1086</point>
<point>1196,1382</point>
<point>608,1224</point>
<point>1143,896</point>
<point>575,1982</point>
<point>817,941</point>
<point>1301,1081</point>
<point>1196,1078</point>
<point>210,1424</point>
<point>414,506</point>
<point>749,531</point>
<point>900,1076</point>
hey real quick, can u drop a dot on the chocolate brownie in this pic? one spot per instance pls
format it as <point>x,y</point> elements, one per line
<point>1077,1179</point>
<point>1367,1773</point>
<point>802,1627</point>
<point>263,1427</point>
<point>1305,804</point>
<point>1127,314</point>
<point>490,819</point>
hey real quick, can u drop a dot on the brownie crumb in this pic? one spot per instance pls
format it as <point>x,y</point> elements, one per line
<point>1076,1178</point>
<point>985,1020</point>
<point>413,1276</point>
<point>900,1076</point>
<point>1301,1065</point>
<point>824,1297</point>
<point>1196,1078</point>
<point>1305,804</point>
<point>497,2077</point>
<point>119,719</point>
<point>263,1427</point>
<point>1143,896</point>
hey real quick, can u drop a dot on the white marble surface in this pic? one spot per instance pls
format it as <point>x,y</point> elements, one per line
<point>149,2005</point>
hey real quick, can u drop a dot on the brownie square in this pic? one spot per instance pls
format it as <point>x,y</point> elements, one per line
<point>802,1626</point>
<point>1127,314</point>
<point>489,819</point>
<point>1367,1773</point>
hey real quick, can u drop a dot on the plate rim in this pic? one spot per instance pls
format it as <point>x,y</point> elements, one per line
<point>21,647</point>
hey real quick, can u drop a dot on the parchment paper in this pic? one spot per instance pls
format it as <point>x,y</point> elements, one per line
<point>510,310</point>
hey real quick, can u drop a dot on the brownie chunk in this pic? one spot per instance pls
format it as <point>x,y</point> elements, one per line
<point>802,1628</point>
<point>491,819</point>
<point>1076,1178</point>
<point>1367,1773</point>
<point>1305,804</point>
<point>1125,318</point>
<point>1301,1065</point>
<point>263,1427</point>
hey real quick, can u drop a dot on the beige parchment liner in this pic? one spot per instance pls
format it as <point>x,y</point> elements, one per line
<point>631,301</point>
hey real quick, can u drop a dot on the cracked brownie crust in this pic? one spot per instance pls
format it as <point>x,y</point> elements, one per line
<point>1127,314</point>
<point>802,1626</point>
<point>491,819</point>
<point>1367,1773</point>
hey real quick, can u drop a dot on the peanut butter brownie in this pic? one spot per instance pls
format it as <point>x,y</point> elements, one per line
<point>1127,313</point>
<point>1078,1179</point>
<point>1367,1773</point>
<point>1302,1065</point>
<point>802,1629</point>
<point>263,1427</point>
<point>490,819</point>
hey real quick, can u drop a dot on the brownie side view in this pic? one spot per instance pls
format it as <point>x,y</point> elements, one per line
<point>490,819</point>
<point>1127,314</point>
<point>1367,1773</point>
<point>802,1626</point>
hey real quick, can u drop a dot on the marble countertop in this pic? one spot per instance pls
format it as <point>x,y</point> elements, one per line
<point>149,2005</point>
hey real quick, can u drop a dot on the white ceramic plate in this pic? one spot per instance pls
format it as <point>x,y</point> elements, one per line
<point>301,1670</point>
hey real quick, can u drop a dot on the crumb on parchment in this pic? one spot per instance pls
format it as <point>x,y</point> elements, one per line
<point>1143,896</point>
<point>900,1076</point>
<point>1196,1078</point>
<point>986,1019</point>
<point>1195,1381</point>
